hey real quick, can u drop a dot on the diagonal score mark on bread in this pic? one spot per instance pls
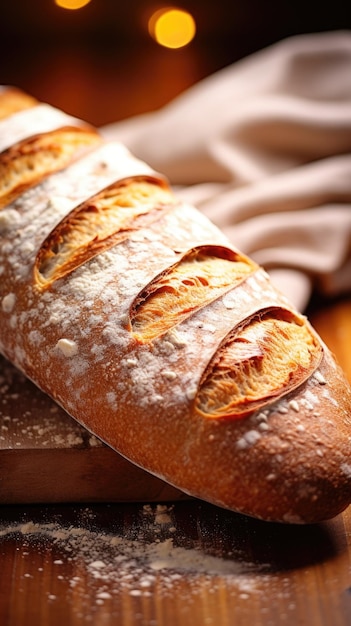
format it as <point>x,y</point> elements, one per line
<point>263,359</point>
<point>27,162</point>
<point>202,275</point>
<point>100,223</point>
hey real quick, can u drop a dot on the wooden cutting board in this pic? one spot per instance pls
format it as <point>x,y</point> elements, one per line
<point>45,456</point>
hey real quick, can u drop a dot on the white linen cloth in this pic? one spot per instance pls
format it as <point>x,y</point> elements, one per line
<point>263,148</point>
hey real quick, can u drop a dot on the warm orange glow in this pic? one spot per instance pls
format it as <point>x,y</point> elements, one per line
<point>172,27</point>
<point>71,4</point>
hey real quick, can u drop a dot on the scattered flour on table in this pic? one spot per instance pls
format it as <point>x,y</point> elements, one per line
<point>117,563</point>
<point>29,418</point>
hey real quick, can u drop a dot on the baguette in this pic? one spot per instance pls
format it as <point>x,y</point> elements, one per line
<point>137,316</point>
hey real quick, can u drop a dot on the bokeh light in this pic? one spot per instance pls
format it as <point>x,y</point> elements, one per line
<point>172,27</point>
<point>72,4</point>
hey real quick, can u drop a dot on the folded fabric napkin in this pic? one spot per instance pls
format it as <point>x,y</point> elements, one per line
<point>263,148</point>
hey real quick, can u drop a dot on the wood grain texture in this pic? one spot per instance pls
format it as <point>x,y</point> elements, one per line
<point>108,565</point>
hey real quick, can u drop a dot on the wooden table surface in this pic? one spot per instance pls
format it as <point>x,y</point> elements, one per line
<point>175,563</point>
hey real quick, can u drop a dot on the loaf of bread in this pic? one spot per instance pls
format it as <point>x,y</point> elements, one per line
<point>135,313</point>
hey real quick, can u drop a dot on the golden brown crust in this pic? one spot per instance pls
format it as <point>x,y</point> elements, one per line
<point>135,313</point>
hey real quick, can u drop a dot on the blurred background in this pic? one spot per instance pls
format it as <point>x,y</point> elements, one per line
<point>105,60</point>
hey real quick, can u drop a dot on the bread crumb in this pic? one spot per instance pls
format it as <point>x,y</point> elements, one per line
<point>8,303</point>
<point>294,405</point>
<point>68,347</point>
<point>97,564</point>
<point>320,378</point>
<point>248,440</point>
